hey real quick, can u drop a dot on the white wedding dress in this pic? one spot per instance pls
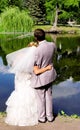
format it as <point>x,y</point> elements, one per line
<point>22,105</point>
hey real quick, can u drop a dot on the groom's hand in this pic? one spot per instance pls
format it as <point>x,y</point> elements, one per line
<point>49,67</point>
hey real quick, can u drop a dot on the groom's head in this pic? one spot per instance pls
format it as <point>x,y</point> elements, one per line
<point>39,34</point>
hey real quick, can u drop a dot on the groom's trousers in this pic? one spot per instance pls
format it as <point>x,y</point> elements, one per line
<point>44,101</point>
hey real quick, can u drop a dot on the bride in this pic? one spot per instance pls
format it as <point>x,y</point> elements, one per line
<point>22,105</point>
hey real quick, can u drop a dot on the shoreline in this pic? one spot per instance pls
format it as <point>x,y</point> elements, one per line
<point>58,29</point>
<point>49,29</point>
<point>60,123</point>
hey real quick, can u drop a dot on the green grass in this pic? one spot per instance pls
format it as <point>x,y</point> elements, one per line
<point>62,113</point>
<point>45,27</point>
<point>2,114</point>
<point>62,29</point>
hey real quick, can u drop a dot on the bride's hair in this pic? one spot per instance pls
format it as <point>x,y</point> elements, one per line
<point>32,44</point>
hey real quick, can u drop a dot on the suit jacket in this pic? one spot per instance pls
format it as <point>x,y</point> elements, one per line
<point>43,57</point>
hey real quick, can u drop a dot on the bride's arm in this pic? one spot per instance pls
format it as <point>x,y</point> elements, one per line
<point>38,70</point>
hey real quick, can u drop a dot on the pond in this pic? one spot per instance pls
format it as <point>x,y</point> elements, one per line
<point>66,88</point>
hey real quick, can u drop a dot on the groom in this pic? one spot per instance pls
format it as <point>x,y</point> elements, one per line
<point>43,82</point>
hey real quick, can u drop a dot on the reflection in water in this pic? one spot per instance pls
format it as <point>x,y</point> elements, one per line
<point>66,89</point>
<point>1,61</point>
<point>60,46</point>
<point>78,50</point>
<point>66,97</point>
<point>6,87</point>
<point>3,68</point>
<point>66,94</point>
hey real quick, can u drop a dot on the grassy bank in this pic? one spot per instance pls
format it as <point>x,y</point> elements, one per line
<point>62,114</point>
<point>2,114</point>
<point>60,29</point>
<point>49,28</point>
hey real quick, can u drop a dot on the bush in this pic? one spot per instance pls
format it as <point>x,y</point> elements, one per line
<point>14,20</point>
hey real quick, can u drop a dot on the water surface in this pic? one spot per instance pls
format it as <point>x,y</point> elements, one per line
<point>66,88</point>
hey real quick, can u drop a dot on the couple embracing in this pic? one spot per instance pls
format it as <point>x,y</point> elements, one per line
<point>31,100</point>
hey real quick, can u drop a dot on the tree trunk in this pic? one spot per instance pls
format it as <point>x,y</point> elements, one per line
<point>56,18</point>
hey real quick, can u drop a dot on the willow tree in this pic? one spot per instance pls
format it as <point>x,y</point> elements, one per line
<point>14,20</point>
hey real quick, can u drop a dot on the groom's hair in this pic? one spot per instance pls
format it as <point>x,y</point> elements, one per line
<point>39,34</point>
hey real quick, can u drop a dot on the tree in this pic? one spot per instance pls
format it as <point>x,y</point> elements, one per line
<point>72,8</point>
<point>37,10</point>
<point>68,9</point>
<point>3,5</point>
<point>14,20</point>
<point>45,10</point>
<point>53,9</point>
<point>69,3</point>
<point>18,3</point>
<point>56,16</point>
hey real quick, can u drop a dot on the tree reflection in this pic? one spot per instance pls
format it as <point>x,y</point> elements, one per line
<point>68,59</point>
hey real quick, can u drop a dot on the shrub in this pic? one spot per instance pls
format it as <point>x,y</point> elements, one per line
<point>14,20</point>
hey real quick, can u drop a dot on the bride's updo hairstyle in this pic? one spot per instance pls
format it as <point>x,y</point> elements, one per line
<point>32,44</point>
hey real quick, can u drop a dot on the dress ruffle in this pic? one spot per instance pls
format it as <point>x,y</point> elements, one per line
<point>22,105</point>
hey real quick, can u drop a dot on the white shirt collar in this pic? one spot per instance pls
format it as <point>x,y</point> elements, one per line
<point>42,42</point>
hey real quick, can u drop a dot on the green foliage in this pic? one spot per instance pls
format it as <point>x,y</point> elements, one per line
<point>14,20</point>
<point>18,3</point>
<point>75,116</point>
<point>62,113</point>
<point>67,9</point>
<point>73,3</point>
<point>50,10</point>
<point>3,4</point>
<point>37,10</point>
<point>9,44</point>
<point>2,114</point>
<point>43,11</point>
<point>65,15</point>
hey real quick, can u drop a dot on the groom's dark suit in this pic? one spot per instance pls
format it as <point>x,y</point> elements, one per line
<point>43,82</point>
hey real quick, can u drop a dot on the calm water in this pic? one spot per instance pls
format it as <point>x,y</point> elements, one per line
<point>66,88</point>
